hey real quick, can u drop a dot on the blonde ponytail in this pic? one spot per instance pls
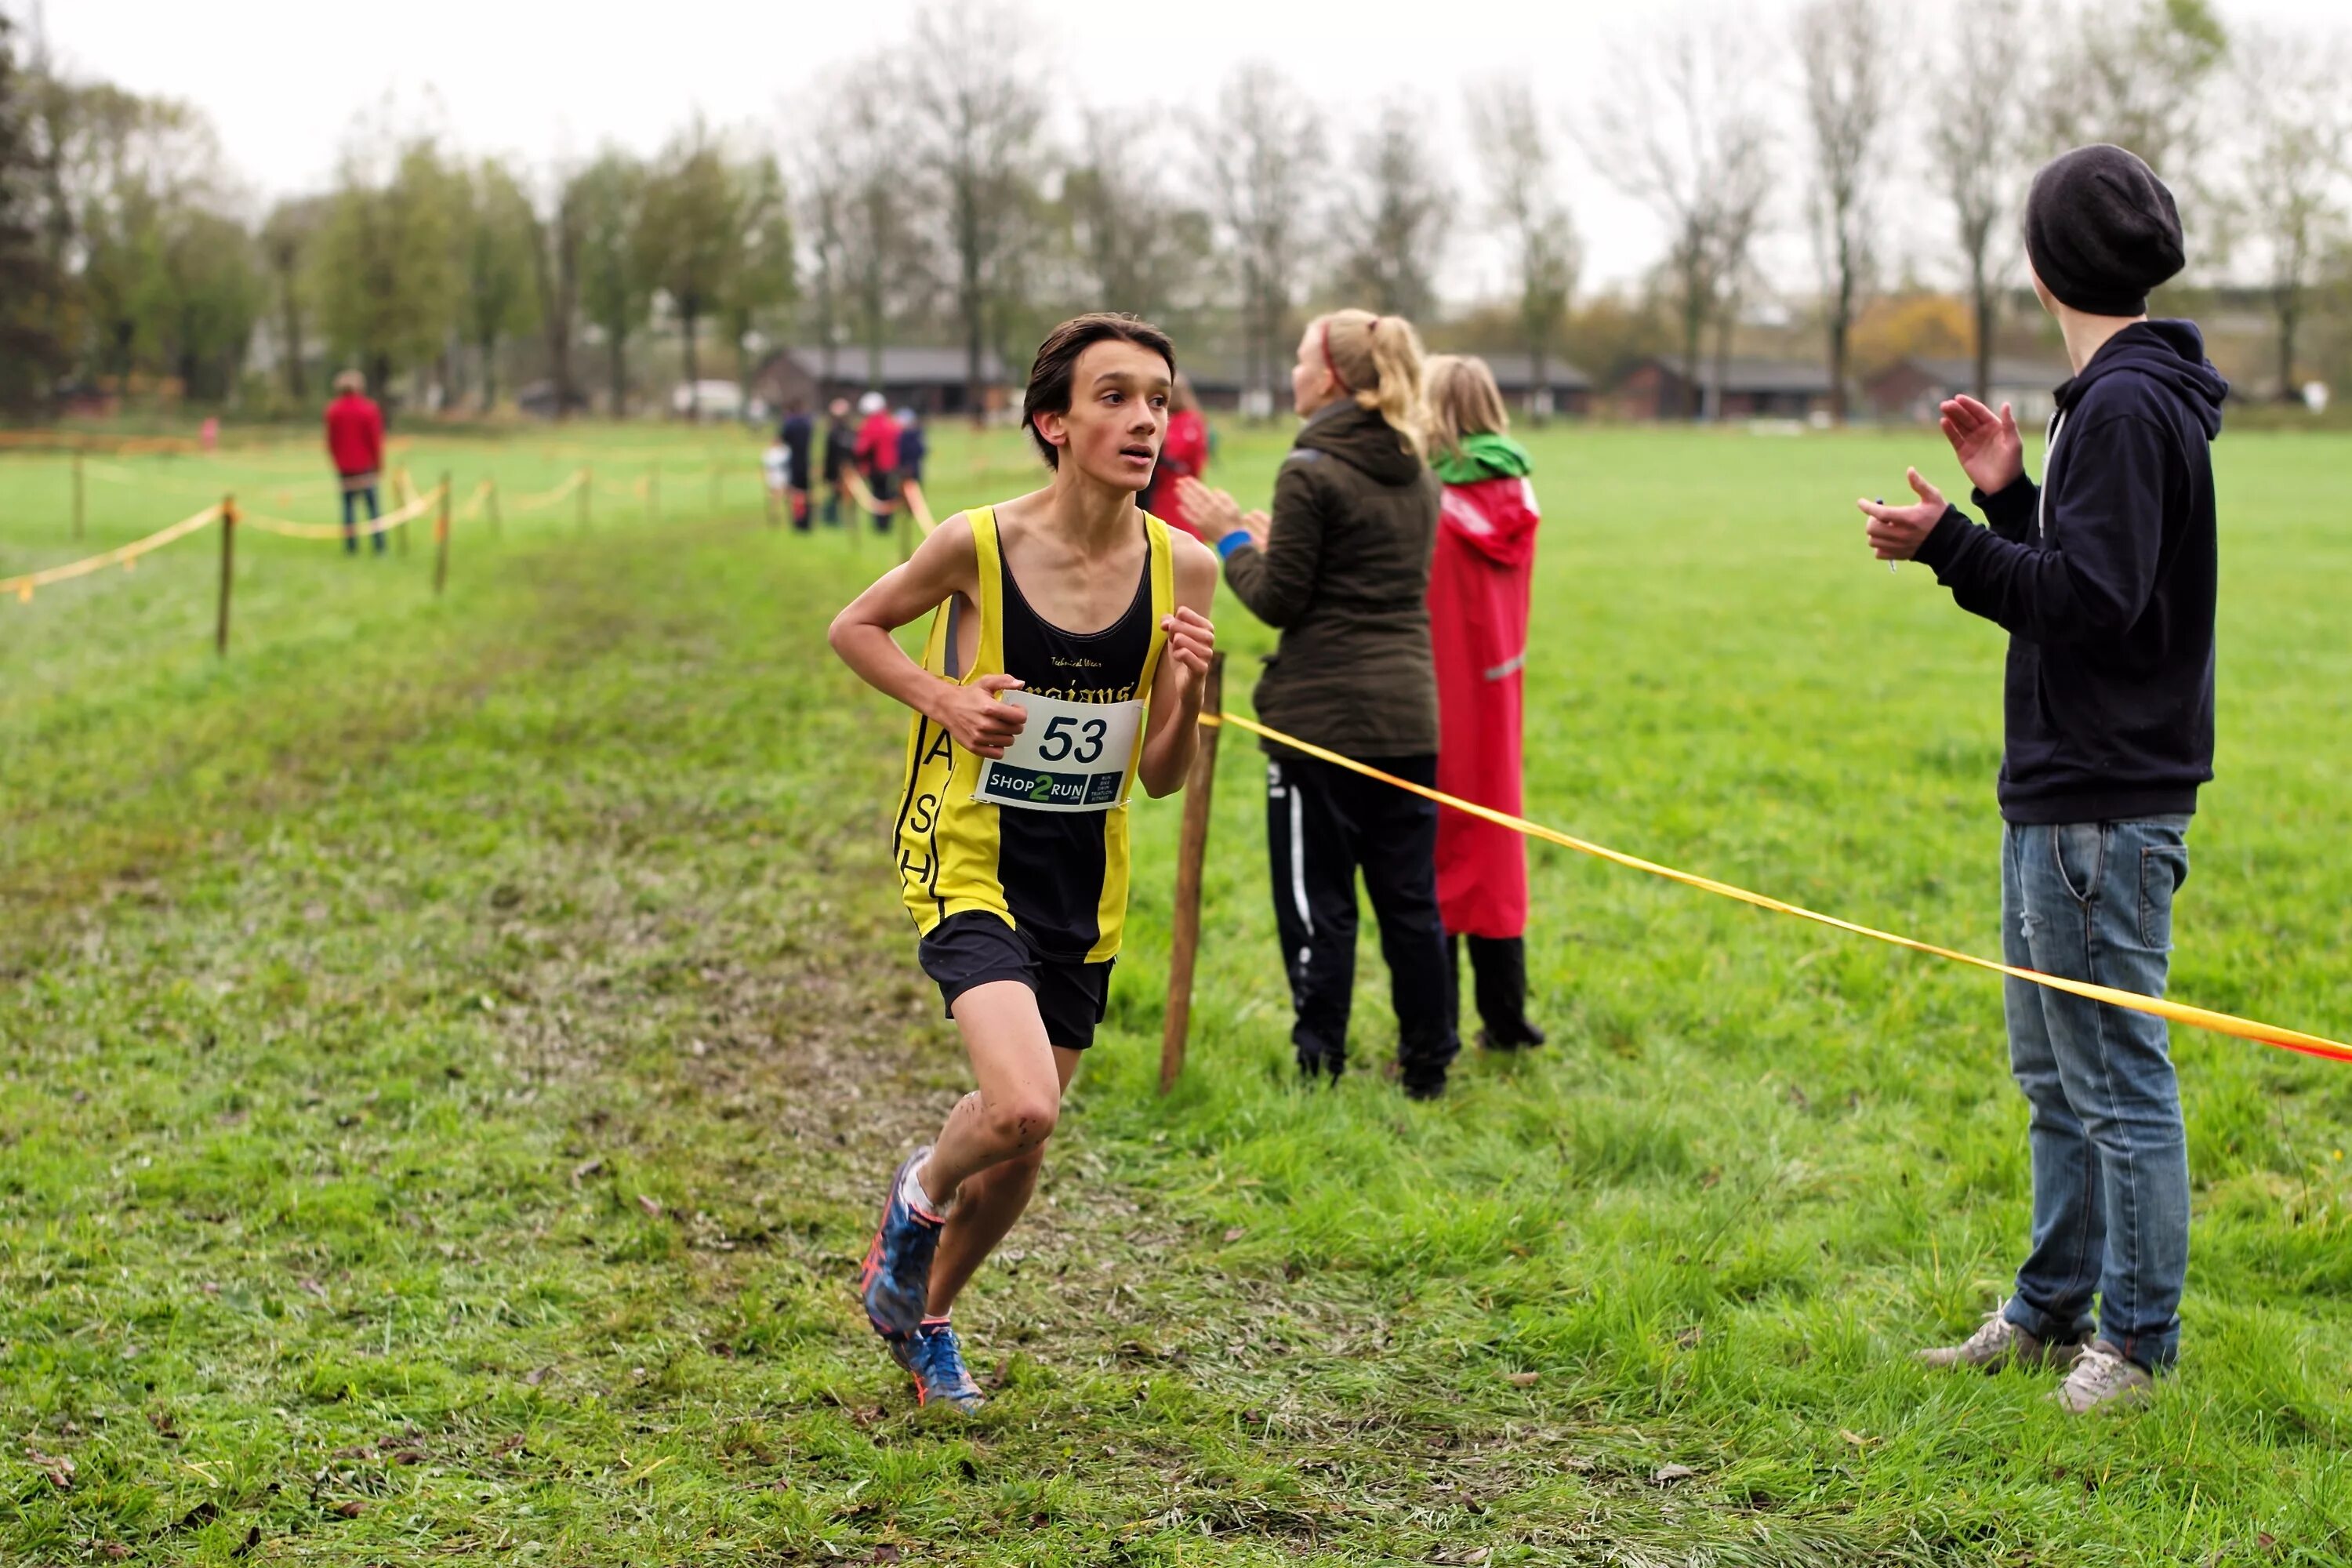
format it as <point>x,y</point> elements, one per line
<point>1378,361</point>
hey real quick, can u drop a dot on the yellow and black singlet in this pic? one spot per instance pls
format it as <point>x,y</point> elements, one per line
<point>1058,876</point>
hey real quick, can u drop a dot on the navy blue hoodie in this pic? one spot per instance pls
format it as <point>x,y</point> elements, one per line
<point>2104,578</point>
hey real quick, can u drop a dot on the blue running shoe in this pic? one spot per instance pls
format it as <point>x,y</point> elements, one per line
<point>935,1358</point>
<point>896,1282</point>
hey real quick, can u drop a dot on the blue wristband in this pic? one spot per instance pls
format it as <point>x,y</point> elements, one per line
<point>1237,539</point>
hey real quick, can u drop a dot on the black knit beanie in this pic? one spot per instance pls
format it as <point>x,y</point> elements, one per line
<point>2101,230</point>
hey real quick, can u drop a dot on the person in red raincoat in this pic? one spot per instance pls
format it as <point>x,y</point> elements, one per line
<point>877,456</point>
<point>1184,454</point>
<point>1479,595</point>
<point>355,444</point>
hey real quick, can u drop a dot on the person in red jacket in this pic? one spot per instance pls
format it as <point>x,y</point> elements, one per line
<point>1478,595</point>
<point>1184,455</point>
<point>877,456</point>
<point>355,442</point>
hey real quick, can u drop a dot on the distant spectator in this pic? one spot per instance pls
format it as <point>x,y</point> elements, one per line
<point>776,464</point>
<point>877,456</point>
<point>840,451</point>
<point>1479,585</point>
<point>1183,455</point>
<point>914,444</point>
<point>356,443</point>
<point>798,433</point>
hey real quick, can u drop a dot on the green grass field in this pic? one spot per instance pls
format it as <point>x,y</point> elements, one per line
<point>452,1049</point>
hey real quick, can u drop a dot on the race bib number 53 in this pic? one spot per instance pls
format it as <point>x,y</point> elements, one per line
<point>1069,756</point>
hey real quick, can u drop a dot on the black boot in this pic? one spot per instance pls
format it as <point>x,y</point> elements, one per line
<point>1498,966</point>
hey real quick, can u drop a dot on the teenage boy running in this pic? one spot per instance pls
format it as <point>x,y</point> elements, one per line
<point>1012,827</point>
<point>2103,578</point>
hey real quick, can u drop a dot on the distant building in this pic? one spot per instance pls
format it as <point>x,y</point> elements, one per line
<point>1911,389</point>
<point>1752,389</point>
<point>930,380</point>
<point>1570,389</point>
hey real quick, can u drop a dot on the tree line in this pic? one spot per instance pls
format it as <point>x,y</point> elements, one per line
<point>956,197</point>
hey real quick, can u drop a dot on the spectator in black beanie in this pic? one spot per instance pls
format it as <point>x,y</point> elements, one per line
<point>2103,578</point>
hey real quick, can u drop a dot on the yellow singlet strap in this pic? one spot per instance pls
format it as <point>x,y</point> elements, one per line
<point>990,658</point>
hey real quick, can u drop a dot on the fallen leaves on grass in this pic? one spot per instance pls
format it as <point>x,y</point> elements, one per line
<point>58,1468</point>
<point>1521,1379</point>
<point>1667,1474</point>
<point>651,1205</point>
<point>585,1169</point>
<point>1236,1233</point>
<point>350,1509</point>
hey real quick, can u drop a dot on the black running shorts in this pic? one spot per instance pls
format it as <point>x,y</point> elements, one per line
<point>973,947</point>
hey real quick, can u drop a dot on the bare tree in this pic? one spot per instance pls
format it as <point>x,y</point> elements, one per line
<point>286,238</point>
<point>983,98</point>
<point>1973,146</point>
<point>1134,245</point>
<point>822,181</point>
<point>2137,76</point>
<point>1263,155</point>
<point>1680,134</point>
<point>1523,203</point>
<point>2297,137</point>
<point>689,237</point>
<point>1844,46</point>
<point>555,271</point>
<point>1393,222</point>
<point>885,264</point>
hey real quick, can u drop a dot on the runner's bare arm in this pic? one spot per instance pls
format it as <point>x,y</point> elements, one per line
<point>945,563</point>
<point>1172,731</point>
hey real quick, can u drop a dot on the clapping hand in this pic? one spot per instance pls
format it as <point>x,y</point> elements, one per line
<point>1990,451</point>
<point>1895,532</point>
<point>1216,513</point>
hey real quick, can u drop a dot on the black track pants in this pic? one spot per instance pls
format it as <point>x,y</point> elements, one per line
<point>1324,823</point>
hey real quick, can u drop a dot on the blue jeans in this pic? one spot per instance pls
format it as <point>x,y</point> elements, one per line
<point>2093,901</point>
<point>350,536</point>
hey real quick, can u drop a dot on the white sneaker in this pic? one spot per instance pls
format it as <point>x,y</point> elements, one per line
<point>1997,1343</point>
<point>2104,1380</point>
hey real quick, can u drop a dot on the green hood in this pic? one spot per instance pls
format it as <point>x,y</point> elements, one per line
<point>1484,455</point>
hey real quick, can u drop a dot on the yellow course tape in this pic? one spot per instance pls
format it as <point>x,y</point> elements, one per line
<point>916,504</point>
<point>855,483</point>
<point>126,556</point>
<point>290,528</point>
<point>2156,1007</point>
<point>549,498</point>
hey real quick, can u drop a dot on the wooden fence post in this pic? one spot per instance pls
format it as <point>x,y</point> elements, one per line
<point>587,484</point>
<point>441,539</point>
<point>77,505</point>
<point>1191,853</point>
<point>227,572</point>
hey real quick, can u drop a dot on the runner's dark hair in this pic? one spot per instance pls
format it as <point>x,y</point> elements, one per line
<point>1057,362</point>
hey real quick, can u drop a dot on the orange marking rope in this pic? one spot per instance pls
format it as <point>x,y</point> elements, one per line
<point>289,528</point>
<point>126,556</point>
<point>2156,1007</point>
<point>913,490</point>
<point>550,497</point>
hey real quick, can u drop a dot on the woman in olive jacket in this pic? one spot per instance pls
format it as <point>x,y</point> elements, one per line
<point>1342,569</point>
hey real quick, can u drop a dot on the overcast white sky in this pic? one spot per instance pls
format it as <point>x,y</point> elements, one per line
<point>283,79</point>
